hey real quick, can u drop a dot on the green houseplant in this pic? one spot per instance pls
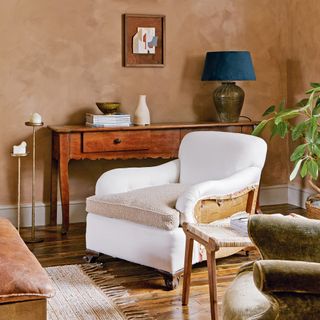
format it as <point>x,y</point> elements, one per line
<point>304,130</point>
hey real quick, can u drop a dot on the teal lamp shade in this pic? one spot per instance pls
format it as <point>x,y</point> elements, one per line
<point>228,67</point>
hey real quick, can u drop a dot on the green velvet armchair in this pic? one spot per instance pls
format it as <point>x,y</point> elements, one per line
<point>286,283</point>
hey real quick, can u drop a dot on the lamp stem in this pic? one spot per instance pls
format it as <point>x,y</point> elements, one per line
<point>19,193</point>
<point>33,230</point>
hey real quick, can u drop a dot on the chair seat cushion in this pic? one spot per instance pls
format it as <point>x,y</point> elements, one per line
<point>243,300</point>
<point>153,206</point>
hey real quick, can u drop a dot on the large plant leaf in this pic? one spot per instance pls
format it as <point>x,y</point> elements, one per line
<point>313,90</point>
<point>316,109</point>
<point>304,169</point>
<point>274,131</point>
<point>283,129</point>
<point>313,168</point>
<point>258,129</point>
<point>302,103</point>
<point>311,101</point>
<point>316,150</point>
<point>295,170</point>
<point>312,129</point>
<point>271,109</point>
<point>285,115</point>
<point>298,152</point>
<point>298,131</point>
<point>315,84</point>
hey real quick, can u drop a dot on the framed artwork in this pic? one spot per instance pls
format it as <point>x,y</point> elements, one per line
<point>144,40</point>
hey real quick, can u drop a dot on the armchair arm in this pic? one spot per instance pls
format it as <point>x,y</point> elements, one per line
<point>126,179</point>
<point>287,276</point>
<point>215,189</point>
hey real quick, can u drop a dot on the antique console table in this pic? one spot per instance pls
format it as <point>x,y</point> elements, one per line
<point>136,142</point>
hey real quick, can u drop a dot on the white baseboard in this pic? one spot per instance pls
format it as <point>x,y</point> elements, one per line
<point>298,196</point>
<point>290,194</point>
<point>77,213</point>
<point>268,196</point>
<point>277,194</point>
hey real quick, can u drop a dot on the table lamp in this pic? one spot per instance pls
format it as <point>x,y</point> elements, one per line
<point>228,67</point>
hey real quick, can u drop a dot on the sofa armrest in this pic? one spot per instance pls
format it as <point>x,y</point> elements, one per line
<point>285,237</point>
<point>126,179</point>
<point>287,276</point>
<point>215,189</point>
<point>21,275</point>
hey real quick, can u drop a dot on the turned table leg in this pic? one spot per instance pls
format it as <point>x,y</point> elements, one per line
<point>64,180</point>
<point>53,193</point>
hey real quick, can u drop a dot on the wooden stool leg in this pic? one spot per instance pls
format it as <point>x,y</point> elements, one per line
<point>187,270</point>
<point>211,262</point>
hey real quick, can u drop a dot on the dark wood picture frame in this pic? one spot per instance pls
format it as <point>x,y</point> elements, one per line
<point>131,23</point>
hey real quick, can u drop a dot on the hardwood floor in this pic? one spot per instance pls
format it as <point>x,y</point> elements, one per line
<point>145,284</point>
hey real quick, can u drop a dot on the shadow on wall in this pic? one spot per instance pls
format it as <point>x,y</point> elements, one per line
<point>295,81</point>
<point>295,84</point>
<point>78,117</point>
<point>202,103</point>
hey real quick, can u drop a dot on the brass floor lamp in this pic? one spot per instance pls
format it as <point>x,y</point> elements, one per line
<point>19,155</point>
<point>33,238</point>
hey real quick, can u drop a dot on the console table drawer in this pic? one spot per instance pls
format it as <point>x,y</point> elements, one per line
<point>116,141</point>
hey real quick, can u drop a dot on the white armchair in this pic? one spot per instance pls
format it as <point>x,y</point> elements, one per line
<point>135,213</point>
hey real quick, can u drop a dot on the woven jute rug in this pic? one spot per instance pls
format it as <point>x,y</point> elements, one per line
<point>89,292</point>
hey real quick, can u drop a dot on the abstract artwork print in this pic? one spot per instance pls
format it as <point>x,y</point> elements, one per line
<point>145,41</point>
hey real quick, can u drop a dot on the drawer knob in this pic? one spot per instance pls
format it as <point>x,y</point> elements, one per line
<point>117,141</point>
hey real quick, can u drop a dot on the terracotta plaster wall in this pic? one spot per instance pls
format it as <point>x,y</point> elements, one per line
<point>304,50</point>
<point>59,57</point>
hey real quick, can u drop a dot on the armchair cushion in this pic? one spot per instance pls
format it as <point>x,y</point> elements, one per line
<point>153,206</point>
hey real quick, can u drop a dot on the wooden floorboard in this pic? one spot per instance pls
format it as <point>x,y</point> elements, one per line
<point>145,284</point>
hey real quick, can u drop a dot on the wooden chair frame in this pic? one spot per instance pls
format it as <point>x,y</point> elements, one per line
<point>251,196</point>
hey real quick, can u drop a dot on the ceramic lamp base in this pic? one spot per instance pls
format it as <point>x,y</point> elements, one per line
<point>228,99</point>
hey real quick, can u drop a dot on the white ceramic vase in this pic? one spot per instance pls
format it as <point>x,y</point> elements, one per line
<point>142,114</point>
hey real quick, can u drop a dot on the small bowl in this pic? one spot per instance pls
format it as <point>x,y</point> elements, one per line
<point>108,107</point>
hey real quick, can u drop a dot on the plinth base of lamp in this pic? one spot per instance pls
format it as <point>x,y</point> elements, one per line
<point>34,124</point>
<point>33,240</point>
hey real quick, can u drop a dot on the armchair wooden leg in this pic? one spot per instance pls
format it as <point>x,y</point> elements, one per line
<point>187,270</point>
<point>92,256</point>
<point>171,281</point>
<point>211,262</point>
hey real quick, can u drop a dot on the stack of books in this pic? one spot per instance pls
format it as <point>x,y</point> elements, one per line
<point>239,223</point>
<point>108,120</point>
